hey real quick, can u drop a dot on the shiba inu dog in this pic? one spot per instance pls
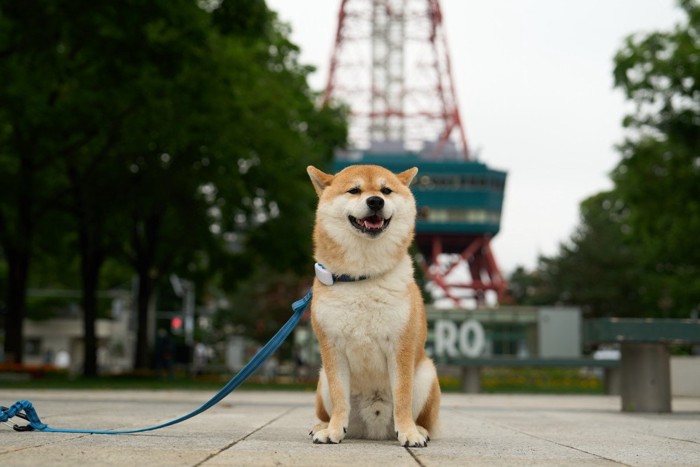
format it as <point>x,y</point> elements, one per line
<point>367,312</point>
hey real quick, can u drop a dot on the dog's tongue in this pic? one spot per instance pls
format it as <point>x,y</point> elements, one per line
<point>373,222</point>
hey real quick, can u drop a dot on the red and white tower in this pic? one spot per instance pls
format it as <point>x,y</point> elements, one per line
<point>391,66</point>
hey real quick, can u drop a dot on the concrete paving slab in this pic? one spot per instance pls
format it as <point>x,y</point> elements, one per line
<point>285,441</point>
<point>271,428</point>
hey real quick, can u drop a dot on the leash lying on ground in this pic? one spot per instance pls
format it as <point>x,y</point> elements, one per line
<point>25,410</point>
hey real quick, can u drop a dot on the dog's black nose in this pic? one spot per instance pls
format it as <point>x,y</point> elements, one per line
<point>375,203</point>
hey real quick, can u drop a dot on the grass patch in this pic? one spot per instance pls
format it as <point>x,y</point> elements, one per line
<point>493,380</point>
<point>146,382</point>
<point>532,381</point>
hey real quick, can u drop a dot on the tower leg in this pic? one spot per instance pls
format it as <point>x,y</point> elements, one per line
<point>481,268</point>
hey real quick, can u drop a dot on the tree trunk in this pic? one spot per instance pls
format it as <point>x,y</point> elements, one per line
<point>144,240</point>
<point>18,270</point>
<point>16,233</point>
<point>142,356</point>
<point>89,303</point>
<point>90,265</point>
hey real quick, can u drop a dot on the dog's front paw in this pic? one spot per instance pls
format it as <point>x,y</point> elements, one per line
<point>329,436</point>
<point>318,427</point>
<point>412,438</point>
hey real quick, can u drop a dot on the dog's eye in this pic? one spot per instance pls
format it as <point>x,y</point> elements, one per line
<point>354,191</point>
<point>386,190</point>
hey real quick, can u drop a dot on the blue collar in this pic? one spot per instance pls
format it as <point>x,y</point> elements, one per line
<point>328,278</point>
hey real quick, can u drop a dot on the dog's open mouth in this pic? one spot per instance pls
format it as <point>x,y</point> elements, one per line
<point>371,225</point>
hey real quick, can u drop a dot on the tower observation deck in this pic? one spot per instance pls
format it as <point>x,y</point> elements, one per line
<point>391,66</point>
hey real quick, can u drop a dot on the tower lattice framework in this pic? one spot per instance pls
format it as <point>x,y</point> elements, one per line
<point>391,65</point>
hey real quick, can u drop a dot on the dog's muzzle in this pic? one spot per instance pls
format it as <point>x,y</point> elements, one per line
<point>375,223</point>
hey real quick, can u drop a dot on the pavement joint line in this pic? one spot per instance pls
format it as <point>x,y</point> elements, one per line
<point>675,439</point>
<point>505,427</point>
<point>572,447</point>
<point>415,458</point>
<point>230,445</point>
<point>55,441</point>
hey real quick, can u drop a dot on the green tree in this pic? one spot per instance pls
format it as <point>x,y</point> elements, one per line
<point>285,132</point>
<point>29,187</point>
<point>114,94</point>
<point>597,268</point>
<point>175,134</point>
<point>658,178</point>
<point>635,252</point>
<point>531,287</point>
<point>243,179</point>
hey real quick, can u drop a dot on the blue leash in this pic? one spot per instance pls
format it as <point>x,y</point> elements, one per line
<point>24,409</point>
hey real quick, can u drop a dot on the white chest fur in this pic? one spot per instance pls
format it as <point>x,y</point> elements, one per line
<point>363,321</point>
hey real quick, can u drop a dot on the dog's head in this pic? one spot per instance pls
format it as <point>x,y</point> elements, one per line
<point>365,202</point>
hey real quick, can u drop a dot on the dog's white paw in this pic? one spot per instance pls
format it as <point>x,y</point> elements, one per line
<point>328,436</point>
<point>318,427</point>
<point>423,432</point>
<point>413,438</point>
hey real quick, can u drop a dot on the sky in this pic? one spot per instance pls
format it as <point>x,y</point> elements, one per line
<point>535,89</point>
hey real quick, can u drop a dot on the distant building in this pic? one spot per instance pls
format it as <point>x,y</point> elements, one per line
<point>59,341</point>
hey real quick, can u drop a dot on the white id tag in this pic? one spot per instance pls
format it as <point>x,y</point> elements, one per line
<point>323,274</point>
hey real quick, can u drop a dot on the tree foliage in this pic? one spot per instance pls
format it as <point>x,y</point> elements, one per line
<point>658,178</point>
<point>171,135</point>
<point>636,251</point>
<point>597,268</point>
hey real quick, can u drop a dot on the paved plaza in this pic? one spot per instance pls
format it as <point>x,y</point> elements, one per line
<point>271,428</point>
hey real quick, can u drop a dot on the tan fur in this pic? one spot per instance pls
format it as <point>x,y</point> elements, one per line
<point>376,380</point>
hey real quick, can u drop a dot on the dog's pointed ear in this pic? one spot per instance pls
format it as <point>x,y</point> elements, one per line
<point>407,176</point>
<point>319,179</point>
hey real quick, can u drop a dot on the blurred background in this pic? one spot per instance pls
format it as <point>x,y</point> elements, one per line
<point>156,215</point>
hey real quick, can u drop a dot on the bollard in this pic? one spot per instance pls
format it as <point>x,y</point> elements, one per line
<point>646,378</point>
<point>471,379</point>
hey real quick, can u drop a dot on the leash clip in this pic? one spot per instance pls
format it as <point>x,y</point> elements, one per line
<point>23,428</point>
<point>16,427</point>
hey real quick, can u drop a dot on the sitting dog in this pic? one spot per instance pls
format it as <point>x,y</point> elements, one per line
<point>367,312</point>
